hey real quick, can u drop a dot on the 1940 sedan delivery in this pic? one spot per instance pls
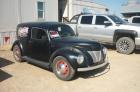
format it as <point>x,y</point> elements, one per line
<point>55,45</point>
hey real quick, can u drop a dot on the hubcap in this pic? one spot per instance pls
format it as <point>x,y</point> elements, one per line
<point>62,68</point>
<point>124,45</point>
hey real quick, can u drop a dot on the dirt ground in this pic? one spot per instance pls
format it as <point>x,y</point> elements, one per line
<point>123,75</point>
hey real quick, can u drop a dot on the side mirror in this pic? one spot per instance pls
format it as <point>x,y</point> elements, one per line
<point>107,23</point>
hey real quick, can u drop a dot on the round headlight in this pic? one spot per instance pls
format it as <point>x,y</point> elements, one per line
<point>80,59</point>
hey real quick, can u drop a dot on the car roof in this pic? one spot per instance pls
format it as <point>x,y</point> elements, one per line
<point>39,24</point>
<point>90,14</point>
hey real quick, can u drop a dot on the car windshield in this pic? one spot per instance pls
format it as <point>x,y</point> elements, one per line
<point>61,31</point>
<point>74,19</point>
<point>116,19</point>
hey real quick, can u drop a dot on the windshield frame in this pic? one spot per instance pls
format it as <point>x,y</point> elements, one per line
<point>116,19</point>
<point>75,18</point>
<point>56,28</point>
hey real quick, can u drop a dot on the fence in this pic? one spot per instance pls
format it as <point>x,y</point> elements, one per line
<point>7,38</point>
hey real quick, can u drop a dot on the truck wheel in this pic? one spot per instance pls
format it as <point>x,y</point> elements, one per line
<point>125,45</point>
<point>17,53</point>
<point>62,68</point>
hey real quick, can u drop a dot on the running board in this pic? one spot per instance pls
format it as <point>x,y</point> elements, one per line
<point>37,62</point>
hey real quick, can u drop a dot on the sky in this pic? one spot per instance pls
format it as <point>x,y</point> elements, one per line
<point>114,6</point>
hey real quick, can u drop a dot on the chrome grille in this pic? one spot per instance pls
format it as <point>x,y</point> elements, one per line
<point>96,56</point>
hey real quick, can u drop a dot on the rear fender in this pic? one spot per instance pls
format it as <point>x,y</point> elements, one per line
<point>17,42</point>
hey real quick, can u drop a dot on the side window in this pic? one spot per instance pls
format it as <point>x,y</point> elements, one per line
<point>136,20</point>
<point>38,33</point>
<point>100,20</point>
<point>74,19</point>
<point>86,19</point>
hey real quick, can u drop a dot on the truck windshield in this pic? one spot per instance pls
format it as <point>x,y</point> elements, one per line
<point>61,31</point>
<point>116,19</point>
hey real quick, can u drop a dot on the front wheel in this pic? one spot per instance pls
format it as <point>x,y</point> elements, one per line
<point>125,45</point>
<point>62,68</point>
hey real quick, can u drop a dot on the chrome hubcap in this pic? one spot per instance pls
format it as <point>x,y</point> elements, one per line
<point>124,45</point>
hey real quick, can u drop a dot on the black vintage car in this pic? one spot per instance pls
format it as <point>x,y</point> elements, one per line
<point>55,46</point>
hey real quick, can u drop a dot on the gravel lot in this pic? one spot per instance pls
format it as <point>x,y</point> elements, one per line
<point>123,75</point>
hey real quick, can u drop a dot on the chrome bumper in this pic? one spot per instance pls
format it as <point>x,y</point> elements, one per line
<point>93,68</point>
<point>137,41</point>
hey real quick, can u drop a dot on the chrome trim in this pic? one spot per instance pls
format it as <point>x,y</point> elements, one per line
<point>137,41</point>
<point>96,56</point>
<point>93,68</point>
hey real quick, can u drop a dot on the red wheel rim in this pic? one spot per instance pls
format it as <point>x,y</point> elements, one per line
<point>62,68</point>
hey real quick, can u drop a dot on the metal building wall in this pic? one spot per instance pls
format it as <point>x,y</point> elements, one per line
<point>7,38</point>
<point>77,6</point>
<point>14,12</point>
<point>8,15</point>
<point>17,11</point>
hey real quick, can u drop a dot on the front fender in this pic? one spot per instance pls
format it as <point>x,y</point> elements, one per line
<point>121,33</point>
<point>69,53</point>
<point>17,42</point>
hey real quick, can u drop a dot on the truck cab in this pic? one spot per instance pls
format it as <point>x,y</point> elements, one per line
<point>55,46</point>
<point>107,29</point>
<point>134,19</point>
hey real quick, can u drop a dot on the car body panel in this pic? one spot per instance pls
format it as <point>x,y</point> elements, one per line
<point>53,44</point>
<point>104,33</point>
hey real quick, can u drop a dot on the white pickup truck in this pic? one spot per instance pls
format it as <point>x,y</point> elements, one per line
<point>134,19</point>
<point>108,29</point>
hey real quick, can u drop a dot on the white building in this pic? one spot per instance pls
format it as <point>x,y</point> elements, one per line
<point>132,8</point>
<point>69,8</point>
<point>18,11</point>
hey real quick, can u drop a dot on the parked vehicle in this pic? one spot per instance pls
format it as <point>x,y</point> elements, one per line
<point>134,19</point>
<point>107,29</point>
<point>54,45</point>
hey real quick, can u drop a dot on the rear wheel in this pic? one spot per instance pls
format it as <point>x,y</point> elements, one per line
<point>62,68</point>
<point>17,53</point>
<point>125,45</point>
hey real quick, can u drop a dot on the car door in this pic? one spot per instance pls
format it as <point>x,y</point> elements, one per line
<point>85,27</point>
<point>104,33</point>
<point>39,44</point>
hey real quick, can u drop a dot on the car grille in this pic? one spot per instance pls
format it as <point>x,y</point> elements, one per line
<point>96,56</point>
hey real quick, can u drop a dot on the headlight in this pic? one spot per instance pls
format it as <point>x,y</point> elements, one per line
<point>80,59</point>
<point>105,51</point>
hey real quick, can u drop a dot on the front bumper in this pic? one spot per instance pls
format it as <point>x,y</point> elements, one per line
<point>93,67</point>
<point>137,42</point>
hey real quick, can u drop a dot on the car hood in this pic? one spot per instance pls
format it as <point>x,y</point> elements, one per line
<point>129,26</point>
<point>76,42</point>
